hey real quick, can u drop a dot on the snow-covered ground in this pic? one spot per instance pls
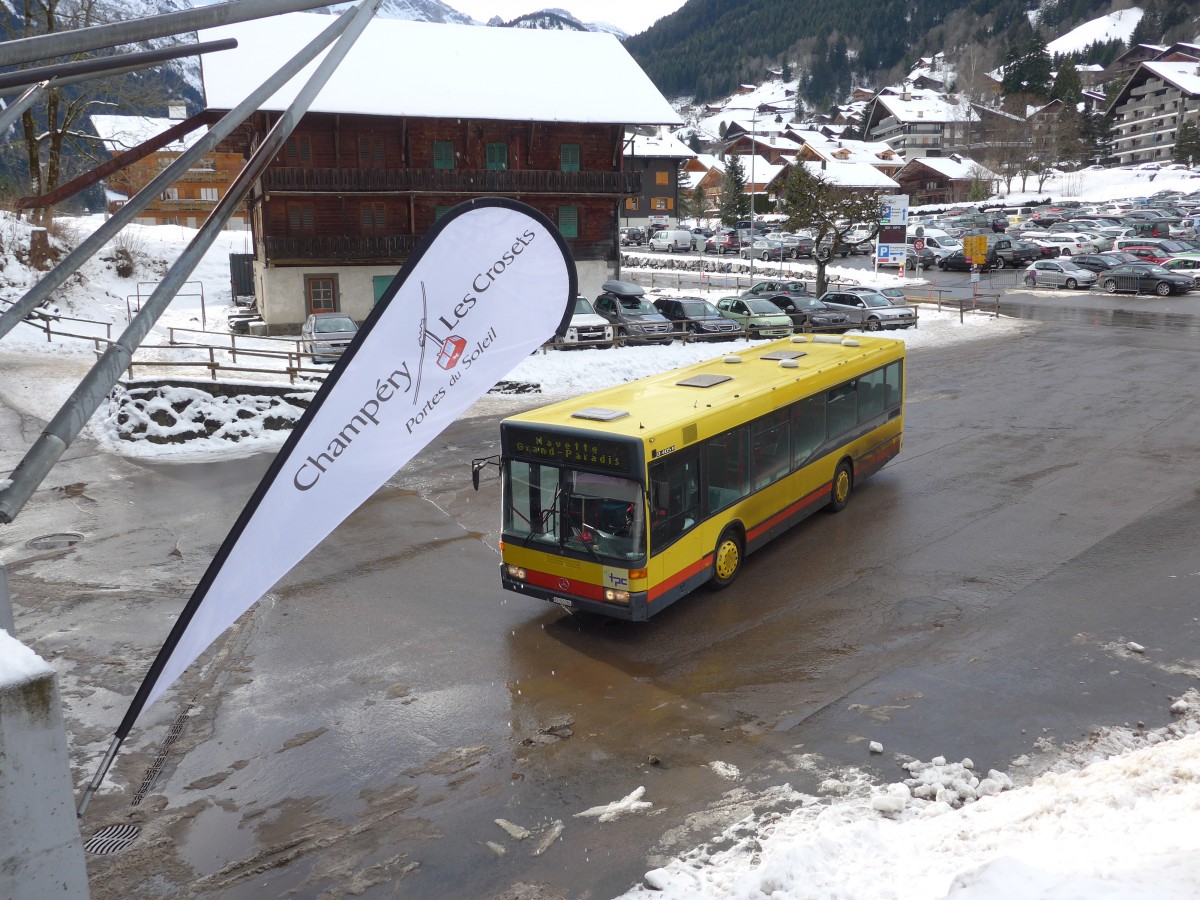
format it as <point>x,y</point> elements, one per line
<point>1114,25</point>
<point>1118,817</point>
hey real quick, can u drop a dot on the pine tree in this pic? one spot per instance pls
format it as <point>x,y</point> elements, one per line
<point>1187,143</point>
<point>1067,85</point>
<point>734,202</point>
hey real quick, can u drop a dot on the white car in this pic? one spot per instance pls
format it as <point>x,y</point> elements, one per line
<point>674,239</point>
<point>1067,243</point>
<point>587,328</point>
<point>325,335</point>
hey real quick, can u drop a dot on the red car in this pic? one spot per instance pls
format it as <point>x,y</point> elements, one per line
<point>1148,254</point>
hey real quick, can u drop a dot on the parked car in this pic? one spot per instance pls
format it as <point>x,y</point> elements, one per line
<point>772,289</point>
<point>957,262</point>
<point>674,239</point>
<point>633,317</point>
<point>914,260</point>
<point>724,242</point>
<point>795,246</point>
<point>632,235</point>
<point>1145,278</point>
<point>894,295</point>
<point>758,316</point>
<point>870,310</point>
<point>764,249</point>
<point>325,335</point>
<point>1095,262</point>
<point>696,317</point>
<point>1068,243</point>
<point>1185,264</point>
<point>810,314</point>
<point>1059,273</point>
<point>1152,255</point>
<point>587,329</point>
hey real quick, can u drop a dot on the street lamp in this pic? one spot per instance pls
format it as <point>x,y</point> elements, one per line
<point>753,153</point>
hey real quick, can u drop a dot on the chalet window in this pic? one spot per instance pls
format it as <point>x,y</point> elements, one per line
<point>661,178</point>
<point>373,217</point>
<point>320,292</point>
<point>568,221</point>
<point>663,203</point>
<point>298,150</point>
<point>210,193</point>
<point>497,156</point>
<point>568,157</point>
<point>631,203</point>
<point>171,193</point>
<point>370,151</point>
<point>443,154</point>
<point>300,218</point>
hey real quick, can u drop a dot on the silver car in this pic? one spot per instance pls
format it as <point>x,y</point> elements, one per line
<point>869,309</point>
<point>1059,273</point>
<point>325,335</point>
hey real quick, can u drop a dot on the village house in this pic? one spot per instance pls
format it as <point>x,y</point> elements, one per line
<point>943,179</point>
<point>919,122</point>
<point>657,159</point>
<point>397,137</point>
<point>193,196</point>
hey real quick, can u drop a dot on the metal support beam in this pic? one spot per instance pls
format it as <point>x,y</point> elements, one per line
<point>100,66</point>
<point>58,276</point>
<point>120,161</point>
<point>10,113</point>
<point>66,43</point>
<point>98,383</point>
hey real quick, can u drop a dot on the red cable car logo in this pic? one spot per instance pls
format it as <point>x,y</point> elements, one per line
<point>451,352</point>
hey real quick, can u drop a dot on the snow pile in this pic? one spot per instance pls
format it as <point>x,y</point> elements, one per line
<point>1106,820</point>
<point>19,664</point>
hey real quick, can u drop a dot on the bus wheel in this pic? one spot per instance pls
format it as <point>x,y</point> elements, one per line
<point>843,482</point>
<point>727,559</point>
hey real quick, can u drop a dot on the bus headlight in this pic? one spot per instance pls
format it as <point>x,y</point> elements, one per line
<point>616,596</point>
<point>516,572</point>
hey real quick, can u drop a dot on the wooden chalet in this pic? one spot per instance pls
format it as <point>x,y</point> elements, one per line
<point>372,166</point>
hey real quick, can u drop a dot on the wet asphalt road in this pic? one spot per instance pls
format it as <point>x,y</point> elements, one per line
<point>361,730</point>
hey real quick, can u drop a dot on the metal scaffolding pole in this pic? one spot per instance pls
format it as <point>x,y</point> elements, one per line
<point>57,276</point>
<point>66,43</point>
<point>10,113</point>
<point>99,66</point>
<point>97,384</point>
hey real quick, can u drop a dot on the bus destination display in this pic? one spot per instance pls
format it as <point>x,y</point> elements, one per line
<point>570,450</point>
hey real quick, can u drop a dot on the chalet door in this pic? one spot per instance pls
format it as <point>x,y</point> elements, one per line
<point>320,293</point>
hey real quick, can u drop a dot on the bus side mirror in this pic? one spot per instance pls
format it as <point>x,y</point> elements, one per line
<point>477,466</point>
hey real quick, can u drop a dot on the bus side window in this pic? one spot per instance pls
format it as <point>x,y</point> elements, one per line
<point>871,395</point>
<point>772,455</point>
<point>808,428</point>
<point>894,379</point>
<point>675,498</point>
<point>841,408</point>
<point>727,466</point>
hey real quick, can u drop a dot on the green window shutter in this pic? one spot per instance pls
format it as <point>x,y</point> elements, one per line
<point>568,221</point>
<point>379,284</point>
<point>568,156</point>
<point>443,154</point>
<point>497,156</point>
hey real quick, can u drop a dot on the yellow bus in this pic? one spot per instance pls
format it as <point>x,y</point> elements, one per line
<point>622,501</point>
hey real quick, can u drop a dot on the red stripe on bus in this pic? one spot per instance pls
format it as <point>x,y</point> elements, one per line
<point>564,585</point>
<point>821,493</point>
<point>678,578</point>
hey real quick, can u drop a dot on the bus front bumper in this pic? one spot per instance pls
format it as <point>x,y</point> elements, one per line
<point>633,611</point>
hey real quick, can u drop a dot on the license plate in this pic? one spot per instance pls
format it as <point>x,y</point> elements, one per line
<point>562,601</point>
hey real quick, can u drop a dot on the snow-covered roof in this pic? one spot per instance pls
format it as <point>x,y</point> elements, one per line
<point>955,167</point>
<point>1181,74</point>
<point>655,146</point>
<point>758,170</point>
<point>926,106</point>
<point>422,69</point>
<point>846,150</point>
<point>121,133</point>
<point>855,175</point>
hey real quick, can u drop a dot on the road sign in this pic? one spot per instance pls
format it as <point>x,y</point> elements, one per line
<point>975,247</point>
<point>893,210</point>
<point>918,245</point>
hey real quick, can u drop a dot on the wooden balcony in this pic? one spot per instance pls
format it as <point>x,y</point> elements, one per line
<point>386,249</point>
<point>285,179</point>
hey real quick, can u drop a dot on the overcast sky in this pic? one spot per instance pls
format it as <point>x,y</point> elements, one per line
<point>631,16</point>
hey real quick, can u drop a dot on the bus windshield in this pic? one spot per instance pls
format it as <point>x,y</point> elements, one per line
<point>599,515</point>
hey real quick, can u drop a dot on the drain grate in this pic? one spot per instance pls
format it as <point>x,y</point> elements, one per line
<point>54,541</point>
<point>112,839</point>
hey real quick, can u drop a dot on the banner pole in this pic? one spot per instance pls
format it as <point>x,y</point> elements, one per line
<point>105,764</point>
